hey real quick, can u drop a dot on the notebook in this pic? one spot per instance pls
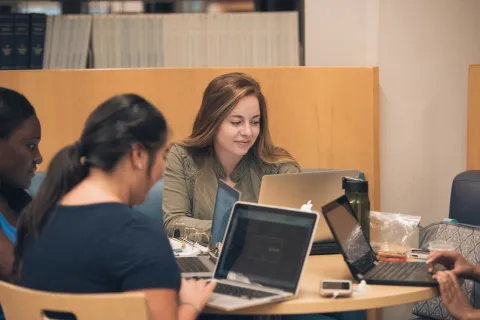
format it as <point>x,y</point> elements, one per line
<point>202,266</point>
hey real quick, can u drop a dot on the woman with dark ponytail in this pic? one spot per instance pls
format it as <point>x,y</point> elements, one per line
<point>80,235</point>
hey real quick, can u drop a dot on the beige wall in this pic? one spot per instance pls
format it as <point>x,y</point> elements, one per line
<point>423,49</point>
<point>424,81</point>
<point>341,33</point>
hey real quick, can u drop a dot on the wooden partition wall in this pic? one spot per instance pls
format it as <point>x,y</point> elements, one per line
<point>326,117</point>
<point>473,132</point>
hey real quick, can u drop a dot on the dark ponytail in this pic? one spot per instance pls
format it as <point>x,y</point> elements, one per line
<point>108,135</point>
<point>64,172</point>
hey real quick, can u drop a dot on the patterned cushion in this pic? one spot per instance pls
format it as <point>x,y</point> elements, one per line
<point>468,239</point>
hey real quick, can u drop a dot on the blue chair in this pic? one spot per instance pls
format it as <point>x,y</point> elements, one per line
<point>465,206</point>
<point>152,206</point>
<point>465,200</point>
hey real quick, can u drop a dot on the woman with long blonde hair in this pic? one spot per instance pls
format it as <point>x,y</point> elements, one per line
<point>231,141</point>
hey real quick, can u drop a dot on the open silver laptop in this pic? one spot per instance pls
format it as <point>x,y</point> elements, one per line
<point>263,255</point>
<point>202,266</point>
<point>297,189</point>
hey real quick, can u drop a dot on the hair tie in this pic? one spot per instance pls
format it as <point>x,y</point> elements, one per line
<point>78,145</point>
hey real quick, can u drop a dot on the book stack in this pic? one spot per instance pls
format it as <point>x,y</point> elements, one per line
<point>22,41</point>
<point>34,41</point>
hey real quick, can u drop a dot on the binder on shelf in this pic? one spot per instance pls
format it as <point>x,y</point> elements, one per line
<point>37,39</point>
<point>6,41</point>
<point>21,48</point>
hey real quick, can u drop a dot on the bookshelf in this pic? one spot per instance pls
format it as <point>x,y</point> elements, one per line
<point>152,40</point>
<point>145,6</point>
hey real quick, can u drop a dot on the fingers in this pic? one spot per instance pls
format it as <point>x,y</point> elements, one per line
<point>187,283</point>
<point>434,256</point>
<point>432,259</point>
<point>449,287</point>
<point>446,258</point>
<point>199,284</point>
<point>210,287</point>
<point>443,284</point>
<point>453,280</point>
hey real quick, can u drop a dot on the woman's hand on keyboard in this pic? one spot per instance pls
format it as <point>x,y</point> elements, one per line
<point>196,293</point>
<point>453,261</point>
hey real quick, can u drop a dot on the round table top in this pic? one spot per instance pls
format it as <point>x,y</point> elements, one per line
<point>310,301</point>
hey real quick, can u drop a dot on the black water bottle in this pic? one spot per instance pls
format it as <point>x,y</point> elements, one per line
<point>356,191</point>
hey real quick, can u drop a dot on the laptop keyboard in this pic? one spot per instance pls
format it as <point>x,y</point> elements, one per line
<point>241,292</point>
<point>191,264</point>
<point>395,270</point>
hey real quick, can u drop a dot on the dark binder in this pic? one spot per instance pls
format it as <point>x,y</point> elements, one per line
<point>21,46</point>
<point>38,25</point>
<point>6,41</point>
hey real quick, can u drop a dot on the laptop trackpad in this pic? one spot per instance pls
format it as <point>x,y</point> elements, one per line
<point>224,300</point>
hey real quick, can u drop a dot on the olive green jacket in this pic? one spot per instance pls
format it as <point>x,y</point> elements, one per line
<point>191,182</point>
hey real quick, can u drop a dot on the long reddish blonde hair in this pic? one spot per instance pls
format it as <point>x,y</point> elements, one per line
<point>219,99</point>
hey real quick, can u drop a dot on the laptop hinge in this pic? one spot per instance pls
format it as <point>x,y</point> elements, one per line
<point>369,268</point>
<point>212,258</point>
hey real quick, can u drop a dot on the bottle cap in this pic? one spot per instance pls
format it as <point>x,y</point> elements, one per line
<point>350,184</point>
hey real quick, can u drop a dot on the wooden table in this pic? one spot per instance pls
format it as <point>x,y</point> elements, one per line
<point>333,267</point>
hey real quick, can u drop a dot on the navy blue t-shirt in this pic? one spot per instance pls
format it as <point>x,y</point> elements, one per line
<point>99,248</point>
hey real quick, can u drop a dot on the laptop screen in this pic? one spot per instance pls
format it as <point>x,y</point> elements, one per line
<point>226,198</point>
<point>356,250</point>
<point>266,246</point>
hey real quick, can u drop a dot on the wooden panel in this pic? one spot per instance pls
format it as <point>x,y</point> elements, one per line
<point>473,131</point>
<point>326,117</point>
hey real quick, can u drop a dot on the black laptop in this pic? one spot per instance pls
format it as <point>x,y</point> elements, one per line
<point>361,258</point>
